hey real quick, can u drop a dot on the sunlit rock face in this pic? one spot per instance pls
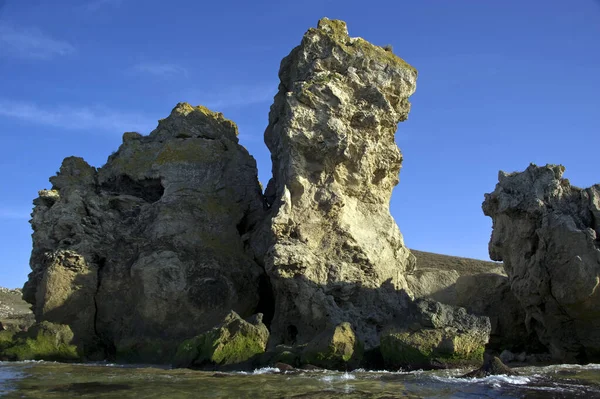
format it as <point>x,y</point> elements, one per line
<point>149,249</point>
<point>329,244</point>
<point>547,232</point>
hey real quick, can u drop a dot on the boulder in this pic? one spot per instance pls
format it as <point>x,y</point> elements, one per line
<point>434,335</point>
<point>43,341</point>
<point>329,245</point>
<point>149,249</point>
<point>491,366</point>
<point>335,348</point>
<point>547,233</point>
<point>234,342</point>
<point>482,288</point>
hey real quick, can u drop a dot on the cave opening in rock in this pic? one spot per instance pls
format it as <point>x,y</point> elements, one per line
<point>291,334</point>
<point>150,190</point>
<point>266,302</point>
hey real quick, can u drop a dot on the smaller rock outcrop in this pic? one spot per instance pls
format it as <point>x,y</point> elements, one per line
<point>234,342</point>
<point>15,313</point>
<point>43,341</point>
<point>435,335</point>
<point>481,287</point>
<point>491,366</point>
<point>336,348</point>
<point>547,233</point>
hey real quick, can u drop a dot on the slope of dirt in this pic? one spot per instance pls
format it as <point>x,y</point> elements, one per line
<point>464,266</point>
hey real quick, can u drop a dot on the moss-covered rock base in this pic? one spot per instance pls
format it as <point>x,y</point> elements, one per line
<point>43,341</point>
<point>431,348</point>
<point>336,348</point>
<point>235,341</point>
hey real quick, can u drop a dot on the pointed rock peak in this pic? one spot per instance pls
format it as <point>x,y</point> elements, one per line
<point>74,171</point>
<point>333,26</point>
<point>186,121</point>
<point>357,47</point>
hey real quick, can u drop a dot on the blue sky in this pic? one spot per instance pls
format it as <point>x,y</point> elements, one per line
<point>501,84</point>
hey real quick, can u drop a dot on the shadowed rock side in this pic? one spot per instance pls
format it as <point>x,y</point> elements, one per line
<point>149,249</point>
<point>335,162</point>
<point>547,233</point>
<point>482,288</point>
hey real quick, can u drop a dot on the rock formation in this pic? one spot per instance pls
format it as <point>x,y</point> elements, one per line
<point>482,288</point>
<point>149,249</point>
<point>434,335</point>
<point>547,232</point>
<point>171,235</point>
<point>233,342</point>
<point>329,245</point>
<point>491,366</point>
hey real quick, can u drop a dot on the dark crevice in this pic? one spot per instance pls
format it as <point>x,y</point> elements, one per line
<point>290,334</point>
<point>150,190</point>
<point>104,345</point>
<point>243,226</point>
<point>266,301</point>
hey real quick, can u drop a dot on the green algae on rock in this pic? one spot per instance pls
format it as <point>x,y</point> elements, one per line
<point>234,342</point>
<point>435,335</point>
<point>335,348</point>
<point>43,341</point>
<point>430,347</point>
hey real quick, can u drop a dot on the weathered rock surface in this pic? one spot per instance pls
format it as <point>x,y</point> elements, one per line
<point>481,287</point>
<point>434,335</point>
<point>491,366</point>
<point>43,341</point>
<point>547,233</point>
<point>232,343</point>
<point>329,245</point>
<point>150,247</point>
<point>334,348</point>
<point>15,313</point>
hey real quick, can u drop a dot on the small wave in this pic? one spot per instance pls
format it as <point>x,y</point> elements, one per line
<point>338,377</point>
<point>400,372</point>
<point>494,380</point>
<point>558,367</point>
<point>262,370</point>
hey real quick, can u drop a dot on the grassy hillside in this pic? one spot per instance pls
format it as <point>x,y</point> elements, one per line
<point>464,266</point>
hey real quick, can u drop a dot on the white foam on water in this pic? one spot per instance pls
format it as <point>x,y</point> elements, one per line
<point>263,370</point>
<point>338,377</point>
<point>494,380</point>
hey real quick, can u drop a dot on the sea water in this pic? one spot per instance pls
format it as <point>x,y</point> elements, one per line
<point>56,380</point>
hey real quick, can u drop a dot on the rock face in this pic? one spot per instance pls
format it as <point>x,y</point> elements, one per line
<point>482,288</point>
<point>43,341</point>
<point>233,342</point>
<point>547,232</point>
<point>149,249</point>
<point>334,348</point>
<point>434,335</point>
<point>15,314</point>
<point>329,245</point>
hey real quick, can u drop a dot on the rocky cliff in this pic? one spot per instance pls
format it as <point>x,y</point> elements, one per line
<point>149,249</point>
<point>157,247</point>
<point>547,233</point>
<point>329,245</point>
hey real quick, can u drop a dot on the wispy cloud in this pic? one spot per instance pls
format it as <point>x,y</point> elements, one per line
<point>160,69</point>
<point>236,96</point>
<point>95,5</point>
<point>8,213</point>
<point>70,117</point>
<point>32,43</point>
